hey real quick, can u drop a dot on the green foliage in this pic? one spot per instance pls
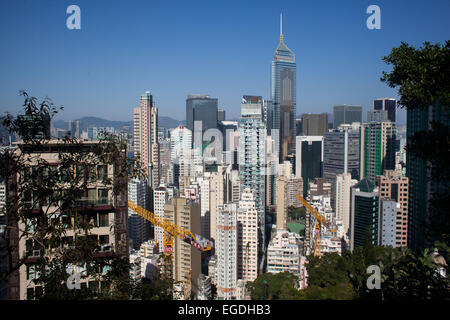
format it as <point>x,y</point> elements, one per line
<point>404,275</point>
<point>422,77</point>
<point>48,201</point>
<point>297,213</point>
<point>268,286</point>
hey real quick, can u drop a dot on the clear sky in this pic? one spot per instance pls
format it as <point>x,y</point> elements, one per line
<point>220,48</point>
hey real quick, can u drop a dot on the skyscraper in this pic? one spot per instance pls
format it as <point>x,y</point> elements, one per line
<point>138,228</point>
<point>252,153</point>
<point>364,218</point>
<point>341,154</point>
<point>201,108</point>
<point>377,148</point>
<point>421,187</point>
<point>227,251</point>
<point>394,187</point>
<point>309,159</point>
<point>346,114</point>
<point>283,95</point>
<point>146,144</point>
<point>388,104</point>
<point>314,124</point>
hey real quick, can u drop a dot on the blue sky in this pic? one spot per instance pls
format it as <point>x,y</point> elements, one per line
<point>220,48</point>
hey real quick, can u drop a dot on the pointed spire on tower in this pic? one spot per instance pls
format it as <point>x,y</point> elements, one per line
<point>281,27</point>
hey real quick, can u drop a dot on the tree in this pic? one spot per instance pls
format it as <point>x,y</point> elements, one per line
<point>45,201</point>
<point>269,286</point>
<point>422,77</point>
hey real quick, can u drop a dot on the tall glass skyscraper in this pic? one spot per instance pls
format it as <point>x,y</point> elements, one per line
<point>252,161</point>
<point>283,86</point>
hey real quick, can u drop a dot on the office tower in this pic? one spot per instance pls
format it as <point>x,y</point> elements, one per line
<point>268,115</point>
<point>228,129</point>
<point>226,251</point>
<point>252,156</point>
<point>146,145</point>
<point>298,127</point>
<point>74,128</point>
<point>160,198</point>
<point>201,108</point>
<point>220,115</point>
<point>421,184</point>
<point>139,229</point>
<point>394,186</point>
<point>186,258</point>
<point>247,244</point>
<point>377,148</point>
<point>387,104</point>
<point>106,207</point>
<point>377,116</point>
<point>341,154</point>
<point>364,214</point>
<point>314,124</point>
<point>284,253</point>
<point>308,159</point>
<point>344,182</point>
<point>388,213</point>
<point>283,96</point>
<point>346,114</point>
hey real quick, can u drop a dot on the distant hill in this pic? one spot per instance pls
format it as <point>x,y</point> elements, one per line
<point>86,122</point>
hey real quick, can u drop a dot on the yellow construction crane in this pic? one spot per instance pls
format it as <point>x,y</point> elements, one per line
<point>172,230</point>
<point>320,220</point>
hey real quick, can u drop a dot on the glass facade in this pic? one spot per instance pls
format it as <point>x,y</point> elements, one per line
<point>346,114</point>
<point>201,108</point>
<point>283,95</point>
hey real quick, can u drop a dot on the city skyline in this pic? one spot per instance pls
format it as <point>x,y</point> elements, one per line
<point>100,69</point>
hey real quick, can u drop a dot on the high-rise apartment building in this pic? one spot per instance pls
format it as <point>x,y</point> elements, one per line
<point>281,202</point>
<point>146,145</point>
<point>284,253</point>
<point>378,146</point>
<point>180,142</point>
<point>226,251</point>
<point>139,229</point>
<point>247,244</point>
<point>283,96</point>
<point>346,114</point>
<point>387,104</point>
<point>252,153</point>
<point>160,198</point>
<point>186,258</point>
<point>104,209</point>
<point>314,124</point>
<point>309,159</point>
<point>394,186</point>
<point>344,182</point>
